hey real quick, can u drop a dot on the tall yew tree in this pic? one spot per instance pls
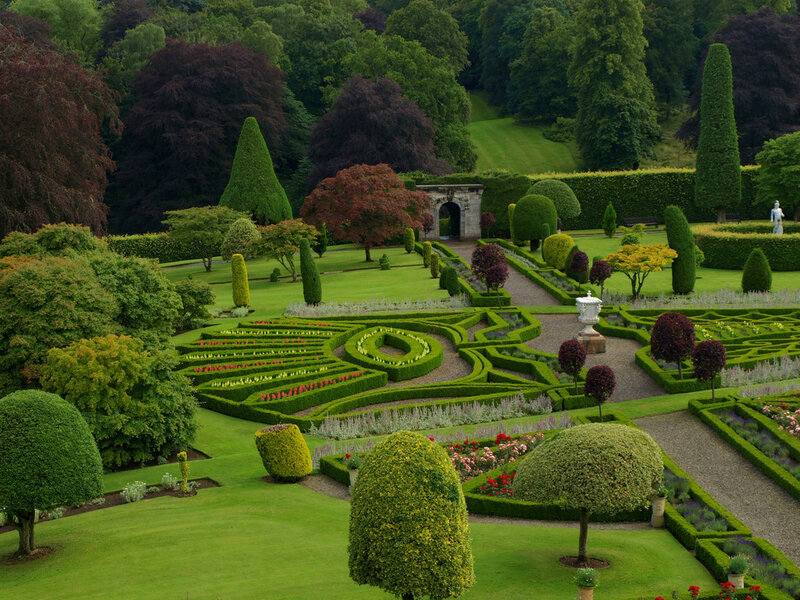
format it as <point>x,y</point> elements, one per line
<point>616,123</point>
<point>53,162</point>
<point>718,178</point>
<point>253,187</point>
<point>181,133</point>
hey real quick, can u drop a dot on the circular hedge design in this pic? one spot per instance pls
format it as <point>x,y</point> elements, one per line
<point>727,245</point>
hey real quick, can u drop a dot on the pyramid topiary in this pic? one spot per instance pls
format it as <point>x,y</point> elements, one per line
<point>757,274</point>
<point>284,452</point>
<point>253,186</point>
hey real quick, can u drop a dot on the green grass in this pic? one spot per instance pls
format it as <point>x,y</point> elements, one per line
<point>502,143</point>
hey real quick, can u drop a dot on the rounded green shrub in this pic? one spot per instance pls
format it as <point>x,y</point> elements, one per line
<point>312,286</point>
<point>680,239</point>
<point>610,220</point>
<point>756,275</point>
<point>239,281</point>
<point>409,531</point>
<point>453,287</point>
<point>384,262</point>
<point>408,240</point>
<point>284,452</point>
<point>555,250</point>
<point>48,458</point>
<point>237,241</point>
<point>514,239</point>
<point>564,199</point>
<point>630,238</point>
<point>434,265</point>
<point>531,214</point>
<point>443,277</point>
<point>276,273</point>
<point>427,250</point>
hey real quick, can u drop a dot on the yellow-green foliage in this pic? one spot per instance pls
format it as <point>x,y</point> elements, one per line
<point>427,251</point>
<point>434,265</point>
<point>183,461</point>
<point>600,468</point>
<point>284,452</point>
<point>409,532</point>
<point>241,286</point>
<point>556,249</point>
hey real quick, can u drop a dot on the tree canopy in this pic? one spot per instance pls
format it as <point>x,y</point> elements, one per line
<point>779,175</point>
<point>204,227</point>
<point>281,242</point>
<point>636,262</point>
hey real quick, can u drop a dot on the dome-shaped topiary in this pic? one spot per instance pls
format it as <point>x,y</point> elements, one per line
<point>48,458</point>
<point>530,215</point>
<point>595,468</point>
<point>409,532</point>
<point>555,250</point>
<point>757,274</point>
<point>284,452</point>
<point>565,200</point>
<point>238,239</point>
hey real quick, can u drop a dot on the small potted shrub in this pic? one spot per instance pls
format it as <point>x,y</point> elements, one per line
<point>736,570</point>
<point>352,462</point>
<point>586,580</point>
<point>659,504</point>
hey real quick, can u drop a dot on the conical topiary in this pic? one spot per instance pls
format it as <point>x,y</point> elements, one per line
<point>427,251</point>
<point>680,239</point>
<point>253,186</point>
<point>757,274</point>
<point>312,286</point>
<point>453,287</point>
<point>610,220</point>
<point>239,281</point>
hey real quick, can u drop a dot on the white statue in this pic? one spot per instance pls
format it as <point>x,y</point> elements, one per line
<point>776,217</point>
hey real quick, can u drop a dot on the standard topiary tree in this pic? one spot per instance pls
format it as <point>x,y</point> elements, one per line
<point>532,212</point>
<point>237,241</point>
<point>253,187</point>
<point>578,265</point>
<point>571,358</point>
<point>600,384</point>
<point>599,272</point>
<point>408,240</point>
<point>756,274</point>
<point>681,239</point>
<point>496,277</point>
<point>284,452</point>
<point>451,281</point>
<point>312,286</point>
<point>595,468</point>
<point>610,220</point>
<point>409,532</point>
<point>485,257</point>
<point>48,458</point>
<point>486,223</point>
<point>709,359</point>
<point>434,265</point>
<point>239,281</point>
<point>718,178</point>
<point>427,251</point>
<point>564,199</point>
<point>672,339</point>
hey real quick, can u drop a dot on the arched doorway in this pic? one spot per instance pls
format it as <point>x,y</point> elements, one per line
<point>450,221</point>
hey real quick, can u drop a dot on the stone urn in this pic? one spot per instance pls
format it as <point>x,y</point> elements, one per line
<point>737,579</point>
<point>589,315</point>
<point>585,593</point>
<point>353,477</point>
<point>657,518</point>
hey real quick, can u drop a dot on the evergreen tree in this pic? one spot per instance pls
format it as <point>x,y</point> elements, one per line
<point>718,179</point>
<point>531,214</point>
<point>253,186</point>
<point>240,283</point>
<point>408,240</point>
<point>610,220</point>
<point>615,123</point>
<point>321,244</point>
<point>312,286</point>
<point>756,275</point>
<point>680,239</point>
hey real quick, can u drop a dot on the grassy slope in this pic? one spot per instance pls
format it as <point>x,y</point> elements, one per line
<point>503,144</point>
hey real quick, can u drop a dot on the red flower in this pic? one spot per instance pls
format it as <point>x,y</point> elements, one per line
<point>659,598</point>
<point>431,439</point>
<point>347,456</point>
<point>727,585</point>
<point>755,588</point>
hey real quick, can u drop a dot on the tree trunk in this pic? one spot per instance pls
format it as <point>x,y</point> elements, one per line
<point>369,258</point>
<point>600,408</point>
<point>582,557</point>
<point>680,369</point>
<point>712,387</point>
<point>25,528</point>
<point>721,217</point>
<point>207,263</point>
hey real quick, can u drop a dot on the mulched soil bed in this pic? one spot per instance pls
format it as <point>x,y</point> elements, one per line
<point>594,563</point>
<point>115,499</point>
<point>191,454</point>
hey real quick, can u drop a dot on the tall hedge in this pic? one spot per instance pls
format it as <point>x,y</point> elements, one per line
<point>409,530</point>
<point>757,275</point>
<point>253,186</point>
<point>312,286</point>
<point>680,239</point>
<point>48,458</point>
<point>718,183</point>
<point>239,281</point>
<point>533,212</point>
<point>566,203</point>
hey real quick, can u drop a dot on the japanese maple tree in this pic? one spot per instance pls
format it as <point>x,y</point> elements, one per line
<point>365,204</point>
<point>636,262</point>
<point>281,241</point>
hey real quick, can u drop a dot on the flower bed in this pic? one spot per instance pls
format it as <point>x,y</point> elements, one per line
<point>470,459</point>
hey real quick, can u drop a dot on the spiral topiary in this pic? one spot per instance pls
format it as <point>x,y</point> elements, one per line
<point>284,452</point>
<point>409,531</point>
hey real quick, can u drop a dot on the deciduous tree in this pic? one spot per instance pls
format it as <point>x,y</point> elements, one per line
<point>709,359</point>
<point>204,226</point>
<point>281,242</point>
<point>365,204</point>
<point>779,176</point>
<point>124,16</point>
<point>571,358</point>
<point>636,262</point>
<point>672,339</point>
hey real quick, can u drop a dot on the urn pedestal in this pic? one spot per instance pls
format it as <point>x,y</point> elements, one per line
<point>589,314</point>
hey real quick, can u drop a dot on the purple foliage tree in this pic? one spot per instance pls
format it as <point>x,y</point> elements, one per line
<point>496,277</point>
<point>487,222</point>
<point>672,339</point>
<point>709,359</point>
<point>485,257</point>
<point>599,272</point>
<point>427,223</point>
<point>571,358</point>
<point>600,384</point>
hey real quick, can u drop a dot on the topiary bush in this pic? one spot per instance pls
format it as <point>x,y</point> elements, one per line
<point>47,459</point>
<point>555,250</point>
<point>237,241</point>
<point>595,468</point>
<point>599,385</point>
<point>680,239</point>
<point>531,213</point>
<point>564,199</point>
<point>571,358</point>
<point>443,277</point>
<point>384,262</point>
<point>427,250</point>
<point>756,275</point>
<point>409,529</point>
<point>451,281</point>
<point>511,208</point>
<point>578,265</point>
<point>672,339</point>
<point>434,265</point>
<point>599,272</point>
<point>486,223</point>
<point>276,273</point>
<point>312,285</point>
<point>709,359</point>
<point>284,452</point>
<point>610,220</point>
<point>239,281</point>
<point>408,240</point>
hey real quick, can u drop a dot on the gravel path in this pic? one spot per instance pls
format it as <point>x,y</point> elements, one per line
<point>734,482</point>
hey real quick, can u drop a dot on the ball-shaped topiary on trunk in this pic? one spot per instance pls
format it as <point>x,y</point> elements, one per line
<point>564,199</point>
<point>756,274</point>
<point>599,272</point>
<point>409,532</point>
<point>487,222</point>
<point>571,358</point>
<point>284,452</point>
<point>600,384</point>
<point>681,239</point>
<point>709,358</point>
<point>672,339</point>
<point>595,468</point>
<point>532,212</point>
<point>48,458</point>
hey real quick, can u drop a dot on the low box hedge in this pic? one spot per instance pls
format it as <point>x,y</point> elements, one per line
<point>417,366</point>
<point>159,246</point>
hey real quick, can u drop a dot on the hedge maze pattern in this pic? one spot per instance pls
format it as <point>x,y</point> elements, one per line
<point>303,370</point>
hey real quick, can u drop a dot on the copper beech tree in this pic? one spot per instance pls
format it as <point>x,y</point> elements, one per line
<point>365,204</point>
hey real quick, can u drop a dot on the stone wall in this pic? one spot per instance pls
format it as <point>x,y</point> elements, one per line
<point>466,197</point>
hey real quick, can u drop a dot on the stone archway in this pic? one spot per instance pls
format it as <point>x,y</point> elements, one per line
<point>466,198</point>
<point>452,212</point>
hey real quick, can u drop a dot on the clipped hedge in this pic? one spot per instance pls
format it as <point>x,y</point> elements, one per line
<point>729,245</point>
<point>284,452</point>
<point>422,353</point>
<point>555,250</point>
<point>476,297</point>
<point>156,245</point>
